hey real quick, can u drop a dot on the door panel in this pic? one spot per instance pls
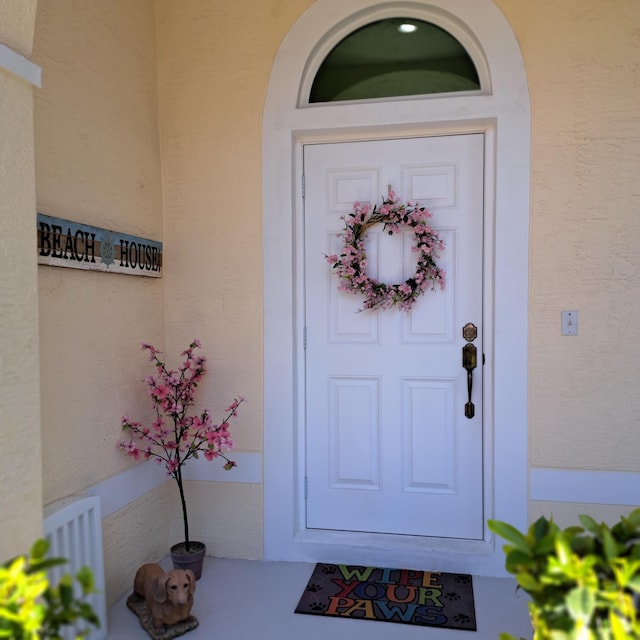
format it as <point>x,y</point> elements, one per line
<point>388,447</point>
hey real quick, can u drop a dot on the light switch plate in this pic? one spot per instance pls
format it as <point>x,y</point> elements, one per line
<point>569,323</point>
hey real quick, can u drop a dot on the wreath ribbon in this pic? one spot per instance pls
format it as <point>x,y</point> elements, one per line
<point>351,264</point>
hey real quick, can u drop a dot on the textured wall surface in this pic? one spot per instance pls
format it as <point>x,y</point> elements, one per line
<point>16,24</point>
<point>97,162</point>
<point>583,64</point>
<point>20,477</point>
<point>130,540</point>
<point>567,514</point>
<point>226,517</point>
<point>214,62</point>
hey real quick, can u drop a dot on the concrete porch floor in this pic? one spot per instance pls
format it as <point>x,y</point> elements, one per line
<point>247,599</point>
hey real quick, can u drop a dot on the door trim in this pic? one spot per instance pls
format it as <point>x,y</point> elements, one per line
<point>504,118</point>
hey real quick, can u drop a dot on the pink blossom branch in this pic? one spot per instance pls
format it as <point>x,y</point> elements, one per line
<point>172,393</point>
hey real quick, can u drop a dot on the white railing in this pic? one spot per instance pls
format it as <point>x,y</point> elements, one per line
<point>73,527</point>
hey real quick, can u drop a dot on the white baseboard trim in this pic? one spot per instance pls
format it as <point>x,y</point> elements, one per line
<point>118,491</point>
<point>19,66</point>
<point>121,490</point>
<point>546,485</point>
<point>588,487</point>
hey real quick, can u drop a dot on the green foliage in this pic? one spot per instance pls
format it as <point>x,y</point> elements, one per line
<point>584,582</point>
<point>31,608</point>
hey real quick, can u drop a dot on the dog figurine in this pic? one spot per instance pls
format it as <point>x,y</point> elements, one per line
<point>169,595</point>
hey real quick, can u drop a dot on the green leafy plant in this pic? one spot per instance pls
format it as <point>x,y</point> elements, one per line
<point>33,609</point>
<point>584,582</point>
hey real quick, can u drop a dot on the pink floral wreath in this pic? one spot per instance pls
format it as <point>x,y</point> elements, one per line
<point>352,262</point>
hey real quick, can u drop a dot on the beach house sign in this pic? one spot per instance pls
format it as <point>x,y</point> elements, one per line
<point>62,243</point>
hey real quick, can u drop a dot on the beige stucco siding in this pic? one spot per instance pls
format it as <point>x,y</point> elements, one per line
<point>583,65</point>
<point>17,20</point>
<point>214,62</point>
<point>568,514</point>
<point>20,471</point>
<point>130,538</point>
<point>226,516</point>
<point>98,163</point>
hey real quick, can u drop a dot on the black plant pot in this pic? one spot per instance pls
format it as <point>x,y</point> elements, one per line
<point>192,559</point>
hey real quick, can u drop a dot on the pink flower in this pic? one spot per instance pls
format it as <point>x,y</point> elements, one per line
<point>131,449</point>
<point>162,391</point>
<point>172,465</point>
<point>235,404</point>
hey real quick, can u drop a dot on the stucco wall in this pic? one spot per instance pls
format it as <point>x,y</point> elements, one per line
<point>20,478</point>
<point>98,162</point>
<point>214,61</point>
<point>227,517</point>
<point>17,20</point>
<point>583,60</point>
<point>130,538</point>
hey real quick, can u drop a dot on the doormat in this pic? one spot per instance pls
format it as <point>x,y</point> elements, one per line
<point>423,598</point>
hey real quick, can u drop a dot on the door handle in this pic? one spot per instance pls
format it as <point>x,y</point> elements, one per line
<point>469,363</point>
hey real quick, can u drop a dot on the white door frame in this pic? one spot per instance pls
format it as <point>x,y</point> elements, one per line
<point>502,113</point>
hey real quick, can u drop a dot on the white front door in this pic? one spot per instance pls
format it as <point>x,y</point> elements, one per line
<point>389,448</point>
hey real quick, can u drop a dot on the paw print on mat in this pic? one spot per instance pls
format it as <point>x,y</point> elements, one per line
<point>328,569</point>
<point>463,579</point>
<point>452,596</point>
<point>314,587</point>
<point>461,618</point>
<point>317,606</point>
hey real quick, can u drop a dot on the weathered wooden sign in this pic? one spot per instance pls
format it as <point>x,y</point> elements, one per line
<point>62,243</point>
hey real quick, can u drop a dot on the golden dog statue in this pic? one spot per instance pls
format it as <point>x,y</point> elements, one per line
<point>169,596</point>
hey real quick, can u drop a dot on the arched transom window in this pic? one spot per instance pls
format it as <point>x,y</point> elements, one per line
<point>394,57</point>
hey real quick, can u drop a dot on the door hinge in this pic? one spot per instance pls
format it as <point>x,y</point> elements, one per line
<point>305,487</point>
<point>303,186</point>
<point>304,338</point>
